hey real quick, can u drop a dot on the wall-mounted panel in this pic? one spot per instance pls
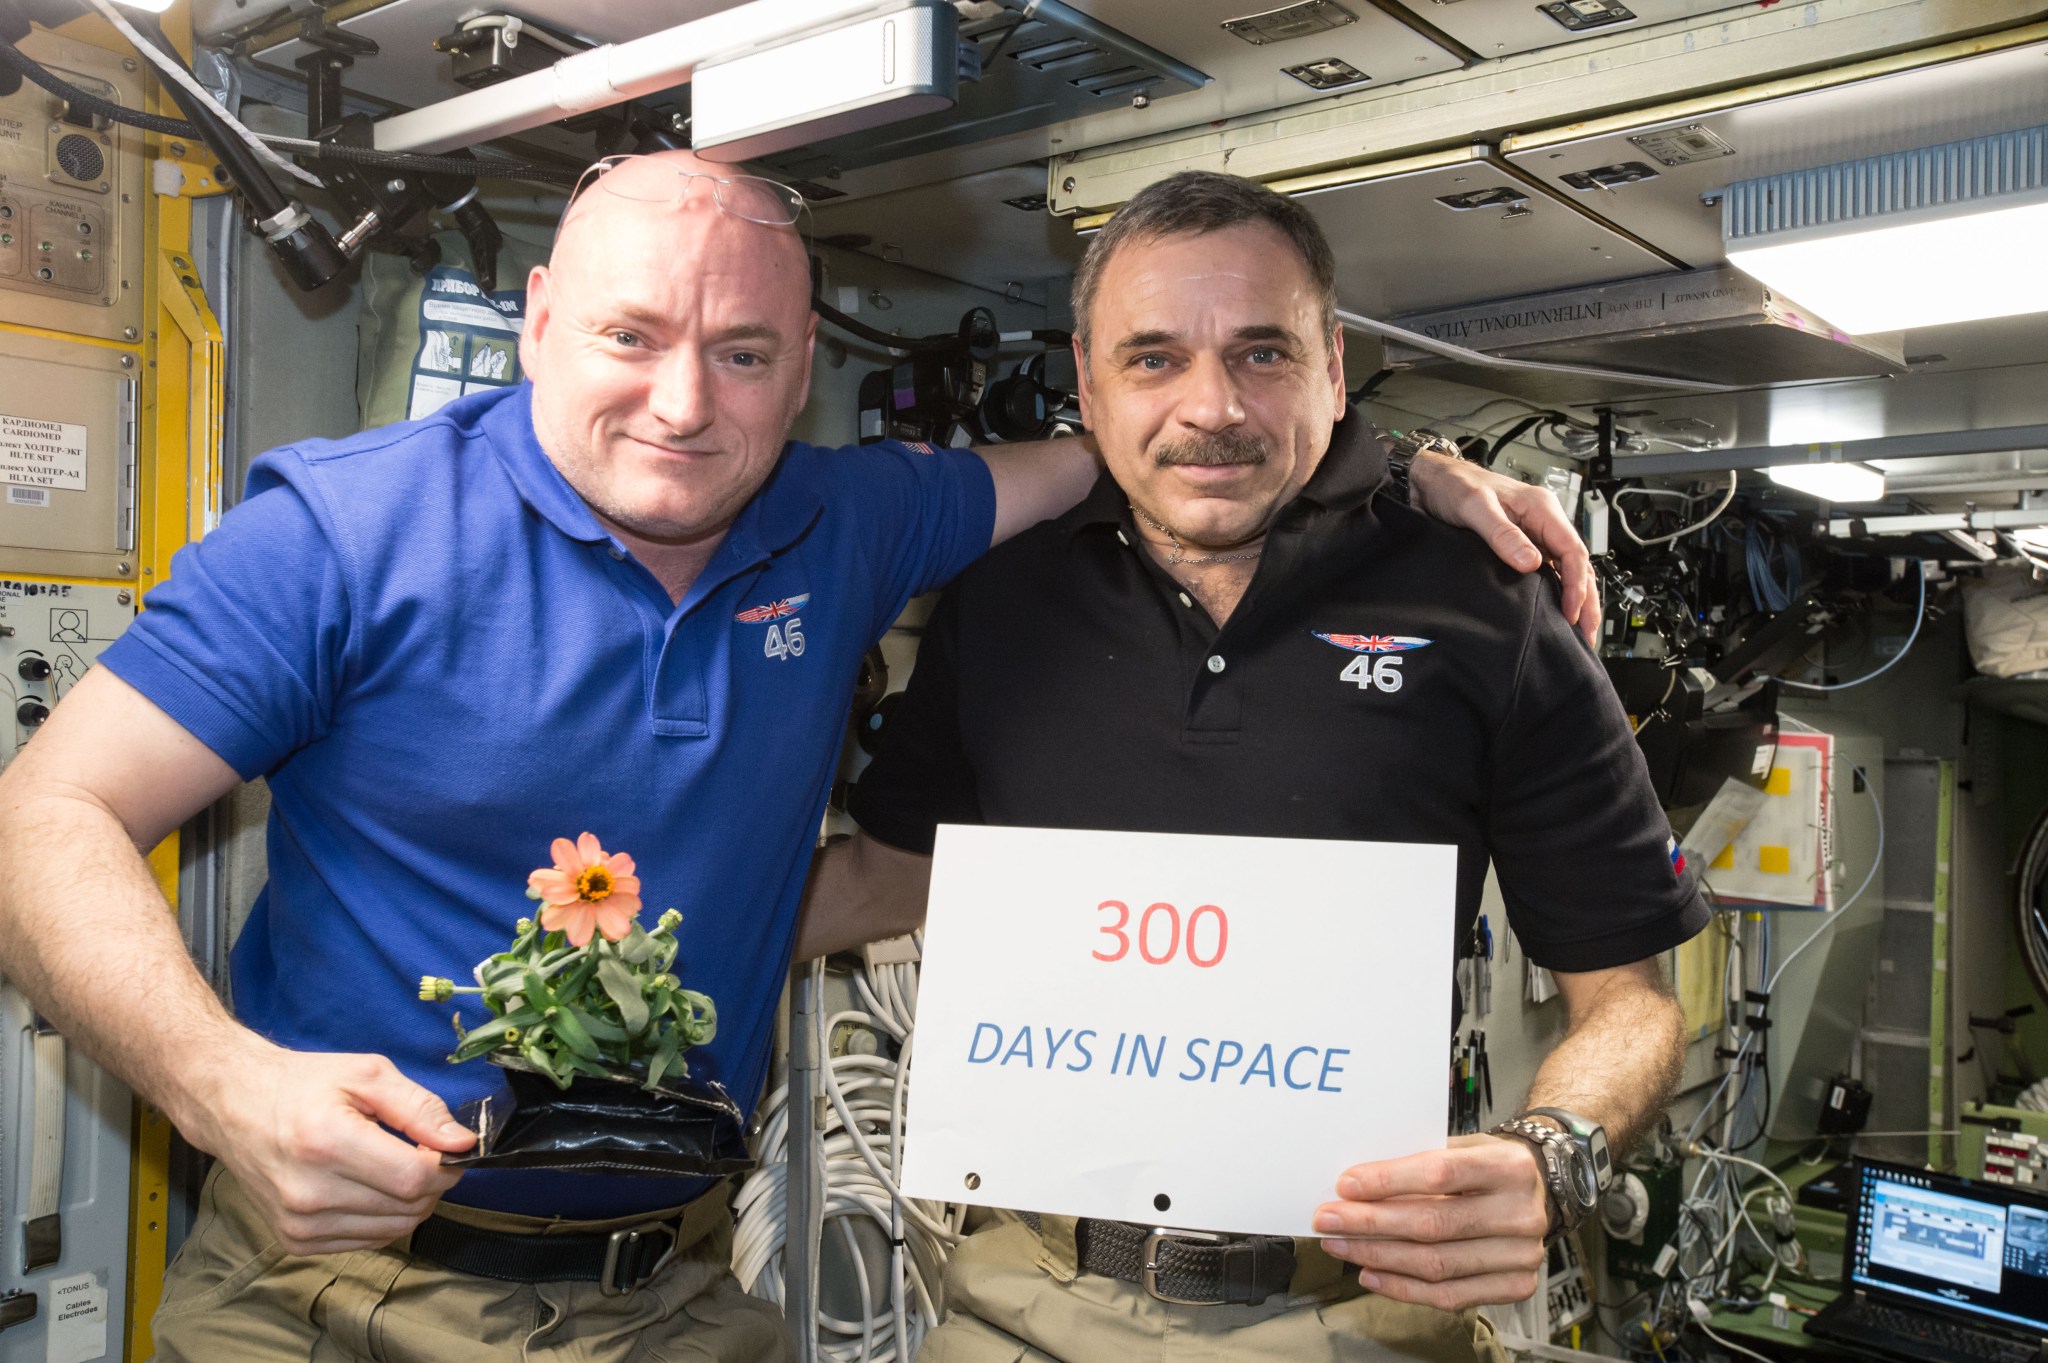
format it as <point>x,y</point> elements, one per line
<point>70,198</point>
<point>1495,28</point>
<point>50,633</point>
<point>1458,229</point>
<point>67,458</point>
<point>64,1172</point>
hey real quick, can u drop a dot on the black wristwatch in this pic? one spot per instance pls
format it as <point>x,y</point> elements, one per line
<point>1569,1181</point>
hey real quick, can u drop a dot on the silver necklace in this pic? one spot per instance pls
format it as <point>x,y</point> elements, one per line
<point>1181,555</point>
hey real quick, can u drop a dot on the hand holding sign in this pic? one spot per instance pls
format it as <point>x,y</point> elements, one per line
<point>1135,1025</point>
<point>1447,1228</point>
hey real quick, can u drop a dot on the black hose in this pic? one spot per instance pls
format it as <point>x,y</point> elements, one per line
<point>902,345</point>
<point>1514,432</point>
<point>486,168</point>
<point>265,199</point>
<point>1369,387</point>
<point>15,59</point>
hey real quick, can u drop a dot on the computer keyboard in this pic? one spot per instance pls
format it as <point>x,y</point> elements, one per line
<point>1938,1338</point>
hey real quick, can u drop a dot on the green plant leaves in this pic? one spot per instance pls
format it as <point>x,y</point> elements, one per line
<point>603,1009</point>
<point>622,986</point>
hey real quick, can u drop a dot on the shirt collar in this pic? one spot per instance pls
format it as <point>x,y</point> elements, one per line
<point>776,517</point>
<point>1352,469</point>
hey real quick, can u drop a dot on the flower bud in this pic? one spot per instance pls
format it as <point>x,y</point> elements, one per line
<point>668,921</point>
<point>433,989</point>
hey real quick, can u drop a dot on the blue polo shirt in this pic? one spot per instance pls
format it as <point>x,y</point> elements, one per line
<point>441,661</point>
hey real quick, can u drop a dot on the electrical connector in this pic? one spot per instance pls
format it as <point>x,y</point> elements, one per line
<point>1701,1312</point>
<point>1666,1257</point>
<point>1785,1232</point>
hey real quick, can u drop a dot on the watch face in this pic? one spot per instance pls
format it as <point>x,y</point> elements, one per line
<point>1580,1175</point>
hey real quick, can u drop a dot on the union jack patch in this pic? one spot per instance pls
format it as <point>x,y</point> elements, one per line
<point>1373,643</point>
<point>774,610</point>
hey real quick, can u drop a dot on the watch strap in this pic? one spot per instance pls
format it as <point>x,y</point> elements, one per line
<point>1572,1122</point>
<point>1542,1141</point>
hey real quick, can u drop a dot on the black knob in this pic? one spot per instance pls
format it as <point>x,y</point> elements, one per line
<point>31,713</point>
<point>33,668</point>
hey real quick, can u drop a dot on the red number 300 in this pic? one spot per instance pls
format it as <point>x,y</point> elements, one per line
<point>1147,938</point>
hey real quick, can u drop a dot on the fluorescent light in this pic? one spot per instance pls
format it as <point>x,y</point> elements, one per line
<point>1950,233</point>
<point>1824,414</point>
<point>146,6</point>
<point>1831,482</point>
<point>823,85</point>
<point>1917,275</point>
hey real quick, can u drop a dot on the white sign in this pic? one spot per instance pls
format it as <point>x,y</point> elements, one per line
<point>78,1320</point>
<point>41,453</point>
<point>1200,1032</point>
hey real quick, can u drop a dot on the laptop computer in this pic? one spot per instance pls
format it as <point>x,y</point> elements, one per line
<point>1941,1269</point>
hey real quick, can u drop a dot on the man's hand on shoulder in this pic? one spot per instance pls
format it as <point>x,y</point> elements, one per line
<point>1521,523</point>
<point>1447,1228</point>
<point>306,1135</point>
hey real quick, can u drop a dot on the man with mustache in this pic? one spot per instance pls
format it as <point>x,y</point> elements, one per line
<point>1239,631</point>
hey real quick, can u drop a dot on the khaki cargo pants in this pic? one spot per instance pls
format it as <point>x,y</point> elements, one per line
<point>233,1296</point>
<point>1013,1296</point>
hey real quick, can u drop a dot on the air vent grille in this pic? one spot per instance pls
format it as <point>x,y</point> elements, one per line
<point>2003,165</point>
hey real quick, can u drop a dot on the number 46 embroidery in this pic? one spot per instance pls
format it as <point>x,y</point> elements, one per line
<point>1382,671</point>
<point>785,641</point>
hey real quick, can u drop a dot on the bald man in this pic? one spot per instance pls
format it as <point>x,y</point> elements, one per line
<point>613,598</point>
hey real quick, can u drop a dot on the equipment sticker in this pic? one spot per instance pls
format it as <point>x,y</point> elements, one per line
<point>78,1320</point>
<point>42,453</point>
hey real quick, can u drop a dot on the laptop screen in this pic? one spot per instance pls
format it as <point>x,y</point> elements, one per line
<point>1979,1248</point>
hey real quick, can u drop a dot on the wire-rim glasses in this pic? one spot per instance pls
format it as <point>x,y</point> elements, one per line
<point>643,178</point>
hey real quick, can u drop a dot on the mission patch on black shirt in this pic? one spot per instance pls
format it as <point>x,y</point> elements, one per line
<point>1384,678</point>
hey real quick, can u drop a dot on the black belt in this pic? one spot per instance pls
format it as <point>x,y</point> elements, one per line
<point>618,1262</point>
<point>1186,1267</point>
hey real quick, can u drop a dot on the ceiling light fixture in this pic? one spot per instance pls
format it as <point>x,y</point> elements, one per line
<point>1944,234</point>
<point>1846,482</point>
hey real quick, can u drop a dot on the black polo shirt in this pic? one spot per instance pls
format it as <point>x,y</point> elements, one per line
<point>1385,678</point>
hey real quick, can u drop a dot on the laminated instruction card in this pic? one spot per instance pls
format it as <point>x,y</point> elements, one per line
<point>1200,1032</point>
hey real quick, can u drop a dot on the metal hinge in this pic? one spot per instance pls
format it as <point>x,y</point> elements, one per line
<point>124,513</point>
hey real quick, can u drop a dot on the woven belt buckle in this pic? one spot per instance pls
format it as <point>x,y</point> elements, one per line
<point>623,1243</point>
<point>1148,1274</point>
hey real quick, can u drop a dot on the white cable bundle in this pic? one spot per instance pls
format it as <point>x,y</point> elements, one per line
<point>861,1139</point>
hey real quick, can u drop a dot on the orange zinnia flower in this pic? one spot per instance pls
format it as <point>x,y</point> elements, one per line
<point>586,891</point>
